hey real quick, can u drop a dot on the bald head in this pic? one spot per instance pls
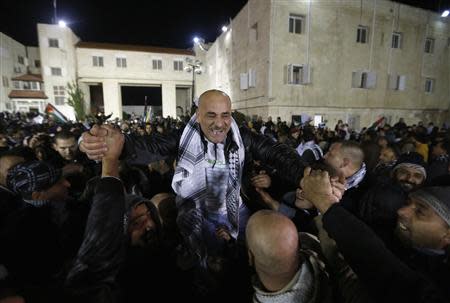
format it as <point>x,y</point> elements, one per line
<point>273,245</point>
<point>212,93</point>
<point>214,115</point>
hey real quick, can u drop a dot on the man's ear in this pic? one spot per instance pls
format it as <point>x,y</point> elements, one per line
<point>345,162</point>
<point>54,146</point>
<point>251,258</point>
<point>446,239</point>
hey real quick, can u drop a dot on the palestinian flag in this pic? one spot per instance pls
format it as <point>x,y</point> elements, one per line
<point>377,123</point>
<point>56,115</point>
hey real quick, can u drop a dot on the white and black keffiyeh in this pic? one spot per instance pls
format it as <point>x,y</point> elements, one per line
<point>191,186</point>
<point>356,178</point>
<point>312,146</point>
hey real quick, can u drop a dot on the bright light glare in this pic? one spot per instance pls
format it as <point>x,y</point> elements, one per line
<point>445,13</point>
<point>224,28</point>
<point>62,23</point>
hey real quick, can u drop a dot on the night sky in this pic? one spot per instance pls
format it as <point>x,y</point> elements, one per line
<point>169,23</point>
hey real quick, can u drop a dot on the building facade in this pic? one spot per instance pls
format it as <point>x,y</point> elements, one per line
<point>18,93</point>
<point>332,60</point>
<point>33,76</point>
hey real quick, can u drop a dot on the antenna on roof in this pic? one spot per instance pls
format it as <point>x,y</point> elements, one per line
<point>55,19</point>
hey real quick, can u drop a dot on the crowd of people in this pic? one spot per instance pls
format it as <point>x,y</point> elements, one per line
<point>218,208</point>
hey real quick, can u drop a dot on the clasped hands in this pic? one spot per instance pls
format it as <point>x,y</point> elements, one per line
<point>102,142</point>
<point>321,190</point>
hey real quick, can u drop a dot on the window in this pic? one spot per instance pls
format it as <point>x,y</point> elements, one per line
<point>37,63</point>
<point>26,85</point>
<point>243,81</point>
<point>157,64</point>
<point>253,33</point>
<point>296,23</point>
<point>16,84</point>
<point>364,79</point>
<point>20,59</point>
<point>98,61</point>
<point>362,34</point>
<point>318,120</point>
<point>397,82</point>
<point>429,45</point>
<point>53,42</point>
<point>396,40</point>
<point>59,93</point>
<point>5,81</point>
<point>298,74</point>
<point>34,85</point>
<point>429,85</point>
<point>56,71</point>
<point>177,65</point>
<point>17,69</point>
<point>8,106</point>
<point>120,62</point>
<point>251,78</point>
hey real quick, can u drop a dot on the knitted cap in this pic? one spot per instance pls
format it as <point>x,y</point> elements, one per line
<point>438,198</point>
<point>33,176</point>
<point>412,160</point>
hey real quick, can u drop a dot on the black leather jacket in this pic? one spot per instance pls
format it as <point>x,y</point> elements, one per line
<point>282,158</point>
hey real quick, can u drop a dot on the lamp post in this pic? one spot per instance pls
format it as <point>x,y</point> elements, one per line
<point>193,66</point>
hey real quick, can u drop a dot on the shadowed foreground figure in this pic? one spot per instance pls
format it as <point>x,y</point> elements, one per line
<point>287,269</point>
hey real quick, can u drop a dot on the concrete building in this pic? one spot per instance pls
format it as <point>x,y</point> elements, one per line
<point>16,60</point>
<point>333,60</point>
<point>100,69</point>
<point>113,66</point>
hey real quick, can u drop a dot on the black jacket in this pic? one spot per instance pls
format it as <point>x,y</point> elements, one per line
<point>92,276</point>
<point>282,158</point>
<point>386,277</point>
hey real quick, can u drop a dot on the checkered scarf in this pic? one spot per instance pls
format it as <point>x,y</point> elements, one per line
<point>189,182</point>
<point>356,178</point>
<point>312,146</point>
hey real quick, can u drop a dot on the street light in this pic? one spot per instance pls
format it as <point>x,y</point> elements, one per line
<point>445,13</point>
<point>62,23</point>
<point>193,66</point>
<point>201,43</point>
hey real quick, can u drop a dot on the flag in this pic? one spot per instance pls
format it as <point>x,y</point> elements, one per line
<point>55,114</point>
<point>377,123</point>
<point>147,112</point>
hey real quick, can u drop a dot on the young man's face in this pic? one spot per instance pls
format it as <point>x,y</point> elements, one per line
<point>409,178</point>
<point>214,116</point>
<point>57,192</point>
<point>67,148</point>
<point>386,155</point>
<point>142,227</point>
<point>418,225</point>
<point>334,157</point>
<point>438,150</point>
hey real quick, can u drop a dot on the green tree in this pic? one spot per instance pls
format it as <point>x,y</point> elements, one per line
<point>76,100</point>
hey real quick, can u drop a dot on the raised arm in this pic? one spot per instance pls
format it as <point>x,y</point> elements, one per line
<point>281,157</point>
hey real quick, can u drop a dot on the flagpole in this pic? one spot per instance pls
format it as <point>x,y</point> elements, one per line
<point>145,109</point>
<point>54,12</point>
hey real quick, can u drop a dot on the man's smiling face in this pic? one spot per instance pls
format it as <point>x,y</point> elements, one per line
<point>214,115</point>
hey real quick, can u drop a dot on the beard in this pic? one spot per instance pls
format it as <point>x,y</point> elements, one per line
<point>407,186</point>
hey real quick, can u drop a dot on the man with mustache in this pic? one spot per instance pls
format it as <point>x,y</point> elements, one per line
<point>211,155</point>
<point>409,172</point>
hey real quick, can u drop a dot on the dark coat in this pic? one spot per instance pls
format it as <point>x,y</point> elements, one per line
<point>385,276</point>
